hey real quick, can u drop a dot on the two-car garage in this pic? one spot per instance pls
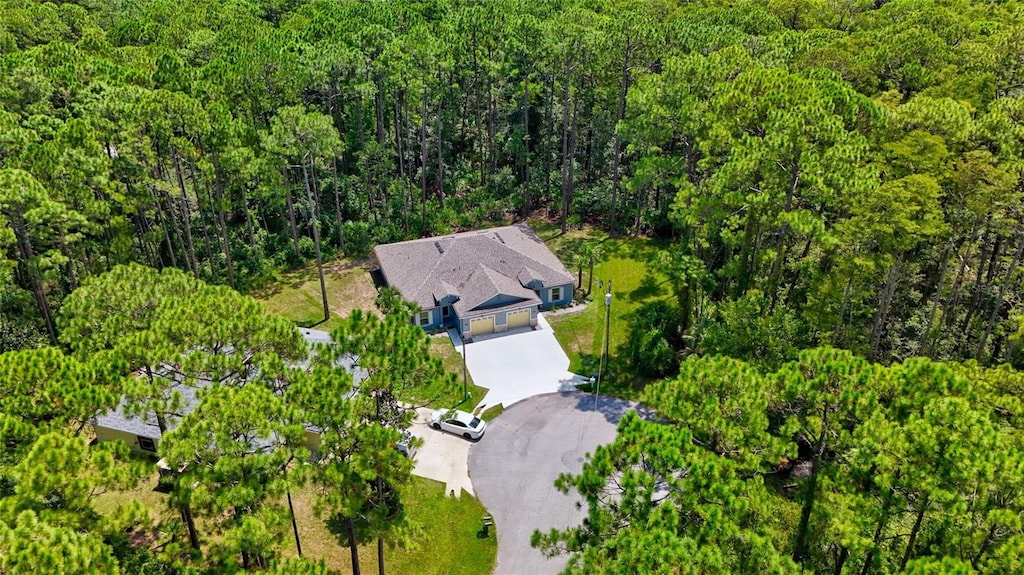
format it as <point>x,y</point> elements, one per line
<point>513,319</point>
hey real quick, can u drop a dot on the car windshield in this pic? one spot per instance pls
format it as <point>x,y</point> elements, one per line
<point>475,423</point>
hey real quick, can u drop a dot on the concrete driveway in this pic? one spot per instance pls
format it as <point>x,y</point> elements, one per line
<point>518,364</point>
<point>443,456</point>
<point>515,465</point>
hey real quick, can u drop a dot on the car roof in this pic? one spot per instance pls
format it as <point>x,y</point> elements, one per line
<point>461,416</point>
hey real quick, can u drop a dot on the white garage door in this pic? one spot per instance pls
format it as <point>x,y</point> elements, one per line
<point>519,318</point>
<point>482,325</point>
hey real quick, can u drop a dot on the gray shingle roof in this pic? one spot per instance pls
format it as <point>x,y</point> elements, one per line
<point>420,269</point>
<point>146,425</point>
<point>484,284</point>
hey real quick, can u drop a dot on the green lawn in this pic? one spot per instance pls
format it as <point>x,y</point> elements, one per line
<point>442,347</point>
<point>445,539</point>
<point>627,263</point>
<point>296,294</point>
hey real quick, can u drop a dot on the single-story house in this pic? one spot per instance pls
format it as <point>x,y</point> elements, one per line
<point>478,282</point>
<point>142,434</point>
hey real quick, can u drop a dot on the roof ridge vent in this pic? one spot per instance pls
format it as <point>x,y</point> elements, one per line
<point>440,248</point>
<point>497,235</point>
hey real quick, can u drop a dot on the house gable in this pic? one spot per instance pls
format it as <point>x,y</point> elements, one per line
<point>501,300</point>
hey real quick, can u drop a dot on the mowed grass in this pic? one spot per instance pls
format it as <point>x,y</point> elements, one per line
<point>628,263</point>
<point>296,295</point>
<point>441,346</point>
<point>445,538</point>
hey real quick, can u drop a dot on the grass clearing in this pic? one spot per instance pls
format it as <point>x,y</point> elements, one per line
<point>635,282</point>
<point>296,294</point>
<point>441,346</point>
<point>145,493</point>
<point>445,539</point>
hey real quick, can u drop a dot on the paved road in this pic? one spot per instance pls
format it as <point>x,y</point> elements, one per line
<point>515,465</point>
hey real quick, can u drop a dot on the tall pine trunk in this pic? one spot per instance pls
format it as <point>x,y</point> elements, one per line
<point>800,548</point>
<point>876,540</point>
<point>380,555</point>
<point>1000,298</point>
<point>527,201</point>
<point>913,534</point>
<point>491,106</point>
<point>337,202</point>
<point>186,218</point>
<point>440,146</point>
<point>24,241</point>
<point>423,162</point>
<point>218,188</point>
<point>167,226</point>
<point>620,114</point>
<point>566,158</point>
<point>958,282</point>
<point>884,306</point>
<point>922,344</point>
<point>315,223</point>
<point>549,135</point>
<point>378,109</point>
<point>353,546</point>
<point>291,213</point>
<point>204,210</point>
<point>184,509</point>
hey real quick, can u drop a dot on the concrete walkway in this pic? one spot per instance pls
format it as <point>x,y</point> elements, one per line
<point>443,456</point>
<point>518,364</point>
<point>515,465</point>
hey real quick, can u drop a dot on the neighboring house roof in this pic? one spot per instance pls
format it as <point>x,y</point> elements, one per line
<point>146,425</point>
<point>479,265</point>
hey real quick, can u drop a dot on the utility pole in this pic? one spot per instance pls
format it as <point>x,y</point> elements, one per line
<point>604,356</point>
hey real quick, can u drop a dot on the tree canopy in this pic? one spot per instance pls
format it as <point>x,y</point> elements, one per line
<point>841,466</point>
<point>836,187</point>
<point>855,164</point>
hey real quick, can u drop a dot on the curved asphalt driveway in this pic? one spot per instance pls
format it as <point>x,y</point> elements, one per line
<point>515,465</point>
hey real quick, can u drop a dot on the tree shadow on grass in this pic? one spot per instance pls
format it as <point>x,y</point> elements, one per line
<point>641,249</point>
<point>338,527</point>
<point>295,278</point>
<point>648,288</point>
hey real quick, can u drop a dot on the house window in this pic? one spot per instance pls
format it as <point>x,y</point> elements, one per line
<point>147,444</point>
<point>423,318</point>
<point>446,311</point>
<point>556,293</point>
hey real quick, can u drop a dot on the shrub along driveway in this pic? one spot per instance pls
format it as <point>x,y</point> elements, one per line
<point>515,465</point>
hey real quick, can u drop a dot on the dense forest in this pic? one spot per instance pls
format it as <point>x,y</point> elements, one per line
<point>234,392</point>
<point>827,465</point>
<point>852,168</point>
<point>838,183</point>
